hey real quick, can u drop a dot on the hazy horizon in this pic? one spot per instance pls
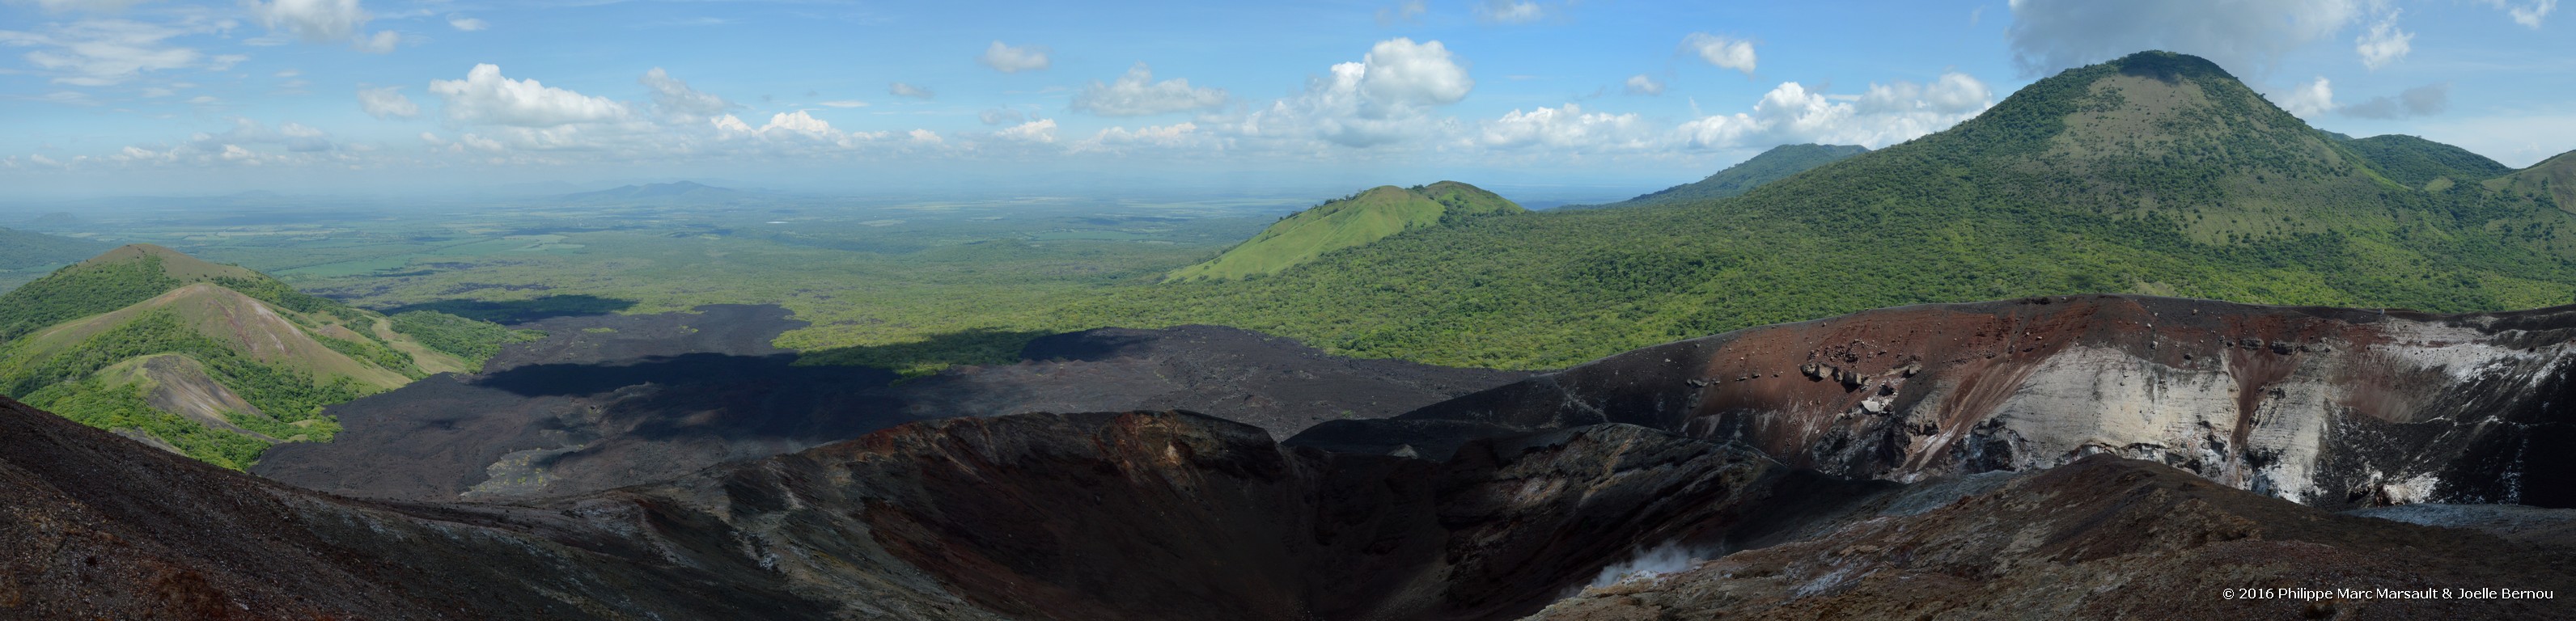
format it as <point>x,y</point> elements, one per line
<point>143,97</point>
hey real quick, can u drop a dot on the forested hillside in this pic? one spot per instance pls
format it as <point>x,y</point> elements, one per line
<point>216,362</point>
<point>2550,183</point>
<point>1347,222</point>
<point>2157,173</point>
<point>2416,162</point>
<point>22,249</point>
<point>1773,165</point>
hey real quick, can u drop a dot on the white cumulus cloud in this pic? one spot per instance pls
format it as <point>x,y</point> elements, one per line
<point>1382,99</point>
<point>484,96</point>
<point>467,24</point>
<point>1008,59</point>
<point>1567,128</point>
<point>2307,101</point>
<point>387,103</point>
<point>1727,52</point>
<point>1038,131</point>
<point>798,121</point>
<point>1884,114</point>
<point>2384,43</point>
<point>1137,94</point>
<point>1401,71</point>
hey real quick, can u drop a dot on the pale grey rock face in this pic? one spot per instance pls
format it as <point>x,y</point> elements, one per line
<point>2330,407</point>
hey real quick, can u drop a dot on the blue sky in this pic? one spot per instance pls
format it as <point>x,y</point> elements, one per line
<point>1589,96</point>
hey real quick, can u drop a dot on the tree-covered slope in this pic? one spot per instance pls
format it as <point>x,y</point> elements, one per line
<point>22,249</point>
<point>116,279</point>
<point>213,361</point>
<point>1348,222</point>
<point>2550,183</point>
<point>1773,165</point>
<point>2156,173</point>
<point>2416,162</point>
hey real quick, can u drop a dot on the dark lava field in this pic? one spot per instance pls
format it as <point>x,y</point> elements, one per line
<point>1908,462</point>
<point>611,400</point>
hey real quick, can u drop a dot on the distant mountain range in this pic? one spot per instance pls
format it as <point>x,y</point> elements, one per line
<point>2157,173</point>
<point>657,192</point>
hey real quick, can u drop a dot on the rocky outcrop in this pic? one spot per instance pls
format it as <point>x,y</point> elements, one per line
<point>2105,538</point>
<point>93,526</point>
<point>2331,407</point>
<point>1984,444</point>
<point>1179,516</point>
<point>1041,516</point>
<point>1167,515</point>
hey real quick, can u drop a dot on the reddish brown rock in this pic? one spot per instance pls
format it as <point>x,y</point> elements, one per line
<point>2333,407</point>
<point>2105,538</point>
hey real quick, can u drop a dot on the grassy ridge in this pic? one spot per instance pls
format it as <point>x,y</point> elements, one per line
<point>80,291</point>
<point>1346,222</point>
<point>282,392</point>
<point>2550,183</point>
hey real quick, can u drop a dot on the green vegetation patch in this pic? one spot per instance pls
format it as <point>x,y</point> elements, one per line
<point>123,408</point>
<point>22,249</point>
<point>80,291</point>
<point>283,393</point>
<point>2159,173</point>
<point>930,355</point>
<point>1348,222</point>
<point>2416,162</point>
<point>471,339</point>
